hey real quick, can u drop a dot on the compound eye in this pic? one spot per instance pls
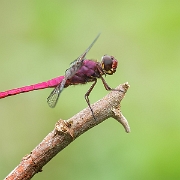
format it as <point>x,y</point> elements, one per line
<point>107,62</point>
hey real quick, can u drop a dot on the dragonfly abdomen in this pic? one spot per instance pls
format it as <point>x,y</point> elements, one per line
<point>47,84</point>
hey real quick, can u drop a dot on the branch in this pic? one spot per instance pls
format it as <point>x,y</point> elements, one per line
<point>67,131</point>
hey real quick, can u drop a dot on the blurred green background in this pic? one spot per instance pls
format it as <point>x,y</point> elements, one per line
<point>38,40</point>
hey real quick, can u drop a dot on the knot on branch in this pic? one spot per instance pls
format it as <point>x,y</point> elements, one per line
<point>63,127</point>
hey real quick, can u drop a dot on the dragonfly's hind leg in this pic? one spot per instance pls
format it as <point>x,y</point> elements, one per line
<point>87,96</point>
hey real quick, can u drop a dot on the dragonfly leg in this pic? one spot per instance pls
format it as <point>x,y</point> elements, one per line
<point>104,82</point>
<point>107,86</point>
<point>87,96</point>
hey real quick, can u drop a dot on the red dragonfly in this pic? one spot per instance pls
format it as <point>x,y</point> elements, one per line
<point>81,71</point>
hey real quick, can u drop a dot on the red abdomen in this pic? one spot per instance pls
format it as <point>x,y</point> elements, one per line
<point>47,84</point>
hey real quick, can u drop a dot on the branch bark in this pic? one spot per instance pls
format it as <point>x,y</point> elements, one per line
<point>67,131</point>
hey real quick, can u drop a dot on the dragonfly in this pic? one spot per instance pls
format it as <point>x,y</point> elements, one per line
<point>81,71</point>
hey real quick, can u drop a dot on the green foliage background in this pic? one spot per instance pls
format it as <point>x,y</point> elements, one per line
<point>38,40</point>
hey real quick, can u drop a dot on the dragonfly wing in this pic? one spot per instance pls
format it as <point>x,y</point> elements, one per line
<point>77,64</point>
<point>74,67</point>
<point>54,96</point>
<point>87,50</point>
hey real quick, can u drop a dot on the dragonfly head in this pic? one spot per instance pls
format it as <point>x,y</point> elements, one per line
<point>109,64</point>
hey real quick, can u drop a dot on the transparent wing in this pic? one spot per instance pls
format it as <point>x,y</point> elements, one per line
<point>74,67</point>
<point>77,64</point>
<point>54,96</point>
<point>87,50</point>
<point>82,56</point>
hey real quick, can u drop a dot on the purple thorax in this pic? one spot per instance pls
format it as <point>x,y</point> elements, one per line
<point>85,73</point>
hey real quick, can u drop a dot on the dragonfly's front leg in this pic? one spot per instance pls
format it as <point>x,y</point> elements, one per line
<point>87,96</point>
<point>101,72</point>
<point>107,86</point>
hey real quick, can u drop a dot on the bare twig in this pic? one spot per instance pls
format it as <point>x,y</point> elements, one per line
<point>67,131</point>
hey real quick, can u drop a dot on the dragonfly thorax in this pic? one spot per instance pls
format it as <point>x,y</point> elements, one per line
<point>109,64</point>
